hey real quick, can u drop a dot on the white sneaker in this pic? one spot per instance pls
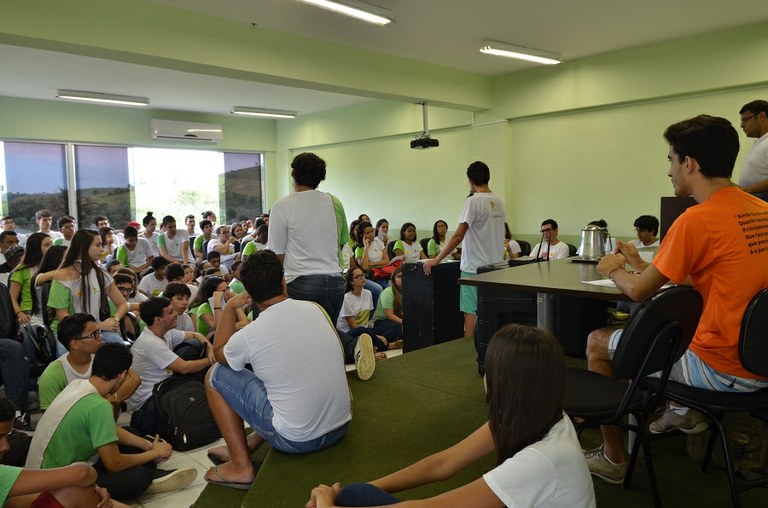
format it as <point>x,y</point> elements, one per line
<point>365,358</point>
<point>692,422</point>
<point>177,479</point>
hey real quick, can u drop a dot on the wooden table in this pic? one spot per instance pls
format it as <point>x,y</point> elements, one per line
<point>550,295</point>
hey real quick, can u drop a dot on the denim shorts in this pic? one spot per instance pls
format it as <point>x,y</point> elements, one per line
<point>693,371</point>
<point>246,395</point>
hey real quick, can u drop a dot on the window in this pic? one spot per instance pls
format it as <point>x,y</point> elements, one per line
<point>103,185</point>
<point>124,183</point>
<point>176,182</point>
<point>242,186</point>
<point>33,176</point>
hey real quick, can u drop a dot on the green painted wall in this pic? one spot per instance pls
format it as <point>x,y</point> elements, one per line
<point>26,119</point>
<point>583,141</point>
<point>578,142</point>
<point>151,34</point>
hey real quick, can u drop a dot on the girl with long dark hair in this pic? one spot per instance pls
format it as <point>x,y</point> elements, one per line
<point>81,285</point>
<point>539,461</point>
<point>21,276</point>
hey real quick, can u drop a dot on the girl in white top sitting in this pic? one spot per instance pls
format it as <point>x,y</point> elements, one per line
<point>511,247</point>
<point>407,246</point>
<point>435,245</point>
<point>539,461</point>
<point>356,316</point>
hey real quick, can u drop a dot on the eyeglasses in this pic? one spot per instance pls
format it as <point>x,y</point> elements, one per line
<point>124,289</point>
<point>546,230</point>
<point>95,335</point>
<point>361,276</point>
<point>747,119</point>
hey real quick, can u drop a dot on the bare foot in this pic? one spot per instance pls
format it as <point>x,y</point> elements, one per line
<point>221,453</point>
<point>381,356</point>
<point>229,473</point>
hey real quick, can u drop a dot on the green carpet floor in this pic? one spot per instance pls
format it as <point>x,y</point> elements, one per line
<point>426,400</point>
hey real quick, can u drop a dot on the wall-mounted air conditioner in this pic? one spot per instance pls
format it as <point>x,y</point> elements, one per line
<point>185,131</point>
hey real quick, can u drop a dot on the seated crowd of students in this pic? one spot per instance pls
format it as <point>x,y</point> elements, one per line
<point>206,286</point>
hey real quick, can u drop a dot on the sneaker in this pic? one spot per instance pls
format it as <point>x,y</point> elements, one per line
<point>365,360</point>
<point>604,469</point>
<point>170,481</point>
<point>692,422</point>
<point>23,423</point>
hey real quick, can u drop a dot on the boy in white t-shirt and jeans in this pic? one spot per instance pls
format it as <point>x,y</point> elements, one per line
<point>300,409</point>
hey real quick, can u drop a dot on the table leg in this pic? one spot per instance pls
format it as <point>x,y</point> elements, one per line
<point>545,311</point>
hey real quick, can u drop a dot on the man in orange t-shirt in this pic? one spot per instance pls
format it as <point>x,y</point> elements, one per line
<point>720,246</point>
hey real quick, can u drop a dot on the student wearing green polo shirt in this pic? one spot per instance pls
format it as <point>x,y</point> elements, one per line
<point>73,485</point>
<point>21,277</point>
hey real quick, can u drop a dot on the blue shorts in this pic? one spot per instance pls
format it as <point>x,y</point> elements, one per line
<point>246,395</point>
<point>468,296</point>
<point>693,371</point>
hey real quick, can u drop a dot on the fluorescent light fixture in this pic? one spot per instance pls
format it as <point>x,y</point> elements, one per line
<point>265,113</point>
<point>104,98</point>
<point>355,9</point>
<point>519,52</point>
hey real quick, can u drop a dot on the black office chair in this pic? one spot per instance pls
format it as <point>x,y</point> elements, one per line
<point>424,243</point>
<point>192,245</point>
<point>572,250</point>
<point>655,337</point>
<point>753,354</point>
<point>525,247</point>
<point>391,249</point>
<point>130,328</point>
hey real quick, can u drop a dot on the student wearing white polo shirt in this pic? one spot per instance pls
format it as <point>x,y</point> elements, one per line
<point>173,243</point>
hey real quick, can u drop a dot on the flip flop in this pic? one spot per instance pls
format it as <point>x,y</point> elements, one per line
<point>224,482</point>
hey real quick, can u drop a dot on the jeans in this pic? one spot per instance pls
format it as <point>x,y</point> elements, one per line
<point>246,395</point>
<point>364,494</point>
<point>14,371</point>
<point>389,329</point>
<point>375,290</point>
<point>112,338</point>
<point>327,290</point>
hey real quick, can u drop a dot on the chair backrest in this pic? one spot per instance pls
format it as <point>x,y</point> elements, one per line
<point>658,333</point>
<point>192,244</point>
<point>525,247</point>
<point>572,250</point>
<point>753,348</point>
<point>424,243</point>
<point>391,249</point>
<point>130,328</point>
<point>9,325</point>
<point>205,249</point>
<point>48,314</point>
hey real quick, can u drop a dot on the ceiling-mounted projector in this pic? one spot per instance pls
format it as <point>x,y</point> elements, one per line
<point>424,141</point>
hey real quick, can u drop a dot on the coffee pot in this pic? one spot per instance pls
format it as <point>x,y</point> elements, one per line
<point>593,240</point>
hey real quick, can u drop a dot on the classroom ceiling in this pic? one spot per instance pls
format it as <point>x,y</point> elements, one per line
<point>442,32</point>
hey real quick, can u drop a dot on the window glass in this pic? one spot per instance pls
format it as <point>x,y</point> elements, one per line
<point>176,182</point>
<point>242,186</point>
<point>103,185</point>
<point>34,176</point>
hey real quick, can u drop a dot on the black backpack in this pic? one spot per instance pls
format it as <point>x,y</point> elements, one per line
<point>183,416</point>
<point>9,324</point>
